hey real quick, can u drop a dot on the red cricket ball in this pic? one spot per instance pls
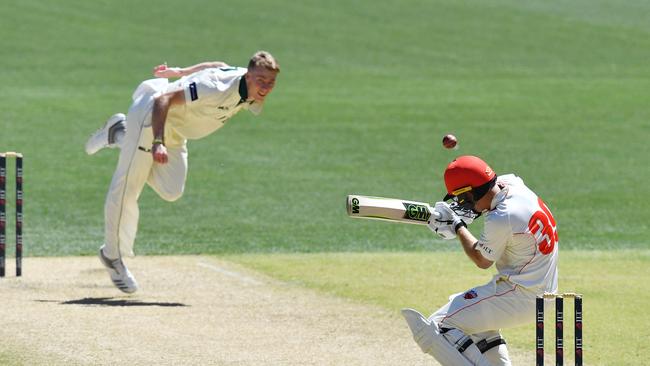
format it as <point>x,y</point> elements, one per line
<point>449,141</point>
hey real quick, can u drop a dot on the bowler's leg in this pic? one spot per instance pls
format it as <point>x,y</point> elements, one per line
<point>121,211</point>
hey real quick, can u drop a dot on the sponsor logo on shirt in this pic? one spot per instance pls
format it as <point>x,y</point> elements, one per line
<point>484,248</point>
<point>193,94</point>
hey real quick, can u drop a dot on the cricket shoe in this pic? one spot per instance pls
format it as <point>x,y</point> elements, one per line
<point>109,135</point>
<point>120,275</point>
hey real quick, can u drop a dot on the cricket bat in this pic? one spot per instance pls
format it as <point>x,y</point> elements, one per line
<point>389,209</point>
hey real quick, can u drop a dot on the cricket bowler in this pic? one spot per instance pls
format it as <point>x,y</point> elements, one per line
<point>519,237</point>
<point>153,135</point>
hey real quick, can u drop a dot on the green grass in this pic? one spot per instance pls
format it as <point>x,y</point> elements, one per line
<point>550,91</point>
<point>615,286</point>
<point>10,358</point>
<point>554,91</point>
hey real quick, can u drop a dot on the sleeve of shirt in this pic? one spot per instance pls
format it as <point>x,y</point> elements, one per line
<point>494,237</point>
<point>203,87</point>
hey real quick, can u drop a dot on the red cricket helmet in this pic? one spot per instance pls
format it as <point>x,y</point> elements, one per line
<point>467,173</point>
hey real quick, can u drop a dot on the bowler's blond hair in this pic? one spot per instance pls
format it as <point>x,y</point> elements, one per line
<point>265,60</point>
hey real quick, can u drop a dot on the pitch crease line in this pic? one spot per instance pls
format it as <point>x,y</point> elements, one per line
<point>232,274</point>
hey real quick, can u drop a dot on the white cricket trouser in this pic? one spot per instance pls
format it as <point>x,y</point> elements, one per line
<point>487,309</point>
<point>135,168</point>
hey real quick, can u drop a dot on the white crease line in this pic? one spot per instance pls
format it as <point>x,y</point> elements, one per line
<point>235,275</point>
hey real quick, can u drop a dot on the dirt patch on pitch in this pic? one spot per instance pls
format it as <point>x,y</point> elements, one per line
<point>190,311</point>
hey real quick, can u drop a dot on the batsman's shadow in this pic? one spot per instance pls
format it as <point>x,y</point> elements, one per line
<point>109,301</point>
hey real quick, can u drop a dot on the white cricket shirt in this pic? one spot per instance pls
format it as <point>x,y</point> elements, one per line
<point>520,236</point>
<point>212,96</point>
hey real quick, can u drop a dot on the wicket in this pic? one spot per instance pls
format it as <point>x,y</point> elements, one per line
<point>559,327</point>
<point>19,211</point>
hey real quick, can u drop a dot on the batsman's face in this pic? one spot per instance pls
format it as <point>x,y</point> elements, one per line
<point>467,203</point>
<point>260,83</point>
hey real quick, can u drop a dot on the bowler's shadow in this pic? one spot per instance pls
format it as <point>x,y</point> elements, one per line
<point>109,301</point>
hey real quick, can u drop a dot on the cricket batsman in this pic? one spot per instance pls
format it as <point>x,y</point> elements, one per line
<point>153,136</point>
<point>519,237</point>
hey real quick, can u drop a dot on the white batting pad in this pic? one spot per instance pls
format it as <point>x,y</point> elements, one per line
<point>428,337</point>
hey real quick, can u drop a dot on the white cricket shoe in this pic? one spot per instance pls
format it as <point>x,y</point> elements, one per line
<point>120,275</point>
<point>107,136</point>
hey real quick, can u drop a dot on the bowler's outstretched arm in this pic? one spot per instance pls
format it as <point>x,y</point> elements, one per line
<point>163,71</point>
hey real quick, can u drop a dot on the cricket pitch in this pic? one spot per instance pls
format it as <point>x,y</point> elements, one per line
<point>192,310</point>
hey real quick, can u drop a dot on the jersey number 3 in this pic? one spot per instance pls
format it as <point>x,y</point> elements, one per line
<point>542,226</point>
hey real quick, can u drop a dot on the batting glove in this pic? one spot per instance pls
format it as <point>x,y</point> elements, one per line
<point>447,218</point>
<point>444,230</point>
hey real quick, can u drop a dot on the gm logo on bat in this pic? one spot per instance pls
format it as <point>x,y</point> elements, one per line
<point>416,212</point>
<point>355,205</point>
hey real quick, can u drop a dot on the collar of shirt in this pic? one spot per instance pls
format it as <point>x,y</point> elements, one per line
<point>243,89</point>
<point>503,193</point>
<point>253,105</point>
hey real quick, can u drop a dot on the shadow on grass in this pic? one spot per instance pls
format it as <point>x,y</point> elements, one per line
<point>109,301</point>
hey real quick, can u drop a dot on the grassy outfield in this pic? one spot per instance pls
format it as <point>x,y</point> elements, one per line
<point>554,91</point>
<point>9,359</point>
<point>614,305</point>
